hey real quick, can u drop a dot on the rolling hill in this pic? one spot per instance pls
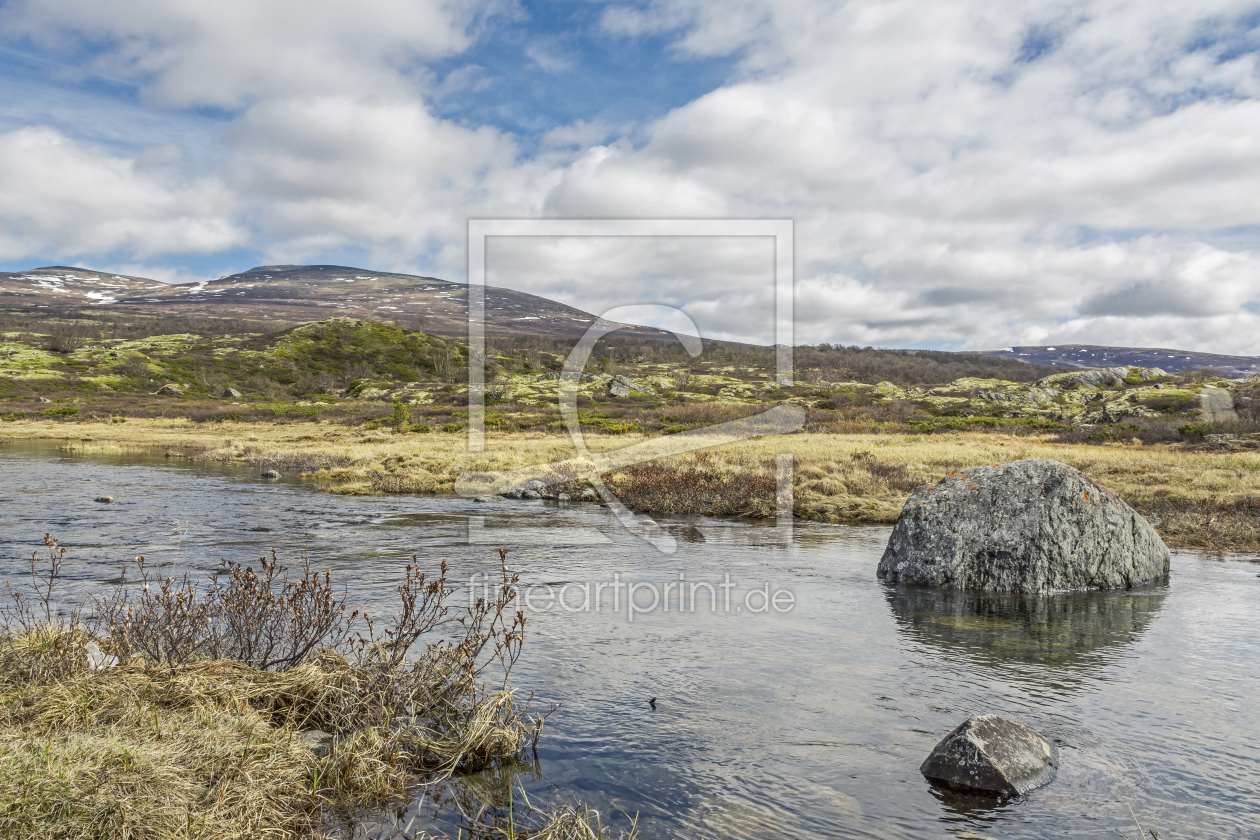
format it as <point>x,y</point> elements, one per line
<point>304,293</point>
<point>1094,356</point>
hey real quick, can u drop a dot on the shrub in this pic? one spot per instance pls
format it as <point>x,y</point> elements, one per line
<point>201,723</point>
<point>1196,430</point>
<point>68,336</point>
<point>452,427</point>
<point>401,418</point>
<point>697,487</point>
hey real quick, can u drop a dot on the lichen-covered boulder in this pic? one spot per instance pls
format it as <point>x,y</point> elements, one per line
<point>1027,526</point>
<point>993,755</point>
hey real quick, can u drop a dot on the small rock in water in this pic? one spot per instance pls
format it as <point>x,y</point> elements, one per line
<point>484,499</point>
<point>993,755</point>
<point>531,494</point>
<point>589,495</point>
<point>271,474</point>
<point>105,499</point>
<point>563,497</point>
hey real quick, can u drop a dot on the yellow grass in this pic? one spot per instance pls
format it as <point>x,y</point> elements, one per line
<point>862,477</point>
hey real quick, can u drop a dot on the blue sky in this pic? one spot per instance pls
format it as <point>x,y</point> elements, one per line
<point>960,174</point>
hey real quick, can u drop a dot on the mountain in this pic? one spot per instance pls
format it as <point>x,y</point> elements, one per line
<point>60,285</point>
<point>1094,356</point>
<point>303,293</point>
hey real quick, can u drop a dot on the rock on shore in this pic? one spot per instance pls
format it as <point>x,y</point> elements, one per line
<point>1027,526</point>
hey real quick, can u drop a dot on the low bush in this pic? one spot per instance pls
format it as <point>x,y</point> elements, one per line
<point>254,705</point>
<point>697,486</point>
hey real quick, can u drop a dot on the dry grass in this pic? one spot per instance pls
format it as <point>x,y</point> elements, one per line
<point>839,477</point>
<point>169,739</point>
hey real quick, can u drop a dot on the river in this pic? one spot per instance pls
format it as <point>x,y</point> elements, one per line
<point>800,708</point>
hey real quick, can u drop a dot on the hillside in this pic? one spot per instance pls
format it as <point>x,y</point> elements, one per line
<point>1094,356</point>
<point>295,294</point>
<point>352,371</point>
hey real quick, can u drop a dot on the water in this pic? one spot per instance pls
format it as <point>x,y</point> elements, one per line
<point>806,723</point>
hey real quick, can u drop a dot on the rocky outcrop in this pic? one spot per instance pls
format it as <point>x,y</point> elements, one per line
<point>621,386</point>
<point>1026,526</point>
<point>170,390</point>
<point>1217,405</point>
<point>231,394</point>
<point>1105,377</point>
<point>993,755</point>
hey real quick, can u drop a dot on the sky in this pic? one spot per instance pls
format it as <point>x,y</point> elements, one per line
<point>961,174</point>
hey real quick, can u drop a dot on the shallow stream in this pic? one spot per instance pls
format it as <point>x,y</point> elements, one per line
<point>802,721</point>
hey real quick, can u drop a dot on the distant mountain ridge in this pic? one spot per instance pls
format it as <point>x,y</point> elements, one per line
<point>1096,356</point>
<point>303,293</point>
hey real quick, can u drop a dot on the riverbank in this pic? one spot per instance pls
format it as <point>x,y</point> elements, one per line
<point>1196,497</point>
<point>253,705</point>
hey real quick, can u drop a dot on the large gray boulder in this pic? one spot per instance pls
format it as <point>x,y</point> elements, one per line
<point>993,755</point>
<point>1026,526</point>
<point>1217,405</point>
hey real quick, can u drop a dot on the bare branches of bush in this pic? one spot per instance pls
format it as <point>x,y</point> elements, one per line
<point>68,336</point>
<point>263,619</point>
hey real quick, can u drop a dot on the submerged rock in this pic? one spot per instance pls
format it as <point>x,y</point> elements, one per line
<point>270,474</point>
<point>990,754</point>
<point>105,500</point>
<point>1027,526</point>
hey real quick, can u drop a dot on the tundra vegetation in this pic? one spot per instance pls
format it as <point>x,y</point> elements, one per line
<point>372,407</point>
<point>260,704</point>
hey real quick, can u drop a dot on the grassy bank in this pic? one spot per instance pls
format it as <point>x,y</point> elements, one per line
<point>254,705</point>
<point>1196,495</point>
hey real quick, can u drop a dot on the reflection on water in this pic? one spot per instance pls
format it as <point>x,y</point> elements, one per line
<point>1066,630</point>
<point>807,724</point>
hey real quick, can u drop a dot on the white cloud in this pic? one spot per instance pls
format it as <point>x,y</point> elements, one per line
<point>942,188</point>
<point>230,52</point>
<point>330,172</point>
<point>66,200</point>
<point>549,56</point>
<point>967,173</point>
<point>725,284</point>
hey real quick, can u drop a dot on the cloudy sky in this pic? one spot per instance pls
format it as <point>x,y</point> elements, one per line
<point>961,174</point>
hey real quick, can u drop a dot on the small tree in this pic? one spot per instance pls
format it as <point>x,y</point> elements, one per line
<point>401,418</point>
